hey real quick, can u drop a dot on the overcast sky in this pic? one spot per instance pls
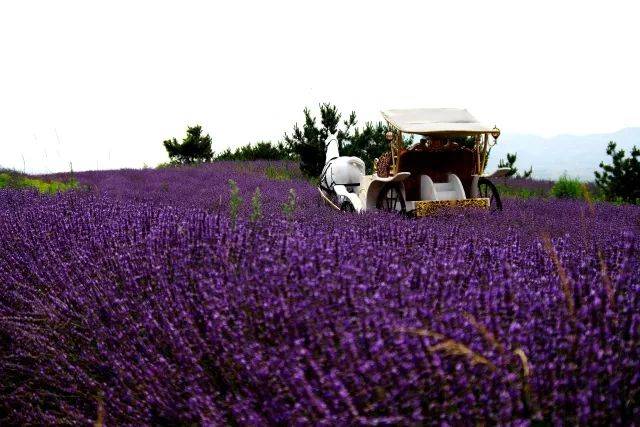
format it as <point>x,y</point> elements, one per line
<point>101,84</point>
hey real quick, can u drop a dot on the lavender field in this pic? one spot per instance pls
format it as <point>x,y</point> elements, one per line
<point>139,300</point>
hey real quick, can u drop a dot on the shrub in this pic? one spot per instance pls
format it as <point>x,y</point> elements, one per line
<point>165,165</point>
<point>620,181</point>
<point>568,188</point>
<point>234,202</point>
<point>194,148</point>
<point>289,207</point>
<point>256,206</point>
<point>5,180</point>
<point>263,150</point>
<point>18,181</point>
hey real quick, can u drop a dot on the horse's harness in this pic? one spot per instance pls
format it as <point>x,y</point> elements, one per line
<point>324,183</point>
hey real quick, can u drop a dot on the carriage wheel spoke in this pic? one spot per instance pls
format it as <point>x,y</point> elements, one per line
<point>487,190</point>
<point>390,199</point>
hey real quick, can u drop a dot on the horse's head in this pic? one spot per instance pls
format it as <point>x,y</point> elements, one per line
<point>331,147</point>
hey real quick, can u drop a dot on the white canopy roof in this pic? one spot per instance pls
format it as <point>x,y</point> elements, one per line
<point>434,120</point>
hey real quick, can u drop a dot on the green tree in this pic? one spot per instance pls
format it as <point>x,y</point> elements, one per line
<point>263,150</point>
<point>368,143</point>
<point>510,162</point>
<point>308,143</point>
<point>194,148</point>
<point>620,181</point>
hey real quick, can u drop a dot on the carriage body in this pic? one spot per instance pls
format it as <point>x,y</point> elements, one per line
<point>446,168</point>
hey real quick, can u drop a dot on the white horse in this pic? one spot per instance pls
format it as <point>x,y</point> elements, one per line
<point>341,174</point>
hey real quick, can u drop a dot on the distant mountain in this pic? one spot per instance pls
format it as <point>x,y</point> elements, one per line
<point>578,155</point>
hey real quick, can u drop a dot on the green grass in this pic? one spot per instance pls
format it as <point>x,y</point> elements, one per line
<point>278,174</point>
<point>568,188</point>
<point>521,192</point>
<point>565,187</point>
<point>15,180</point>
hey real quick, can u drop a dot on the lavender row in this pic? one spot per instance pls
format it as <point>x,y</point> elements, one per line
<point>140,302</point>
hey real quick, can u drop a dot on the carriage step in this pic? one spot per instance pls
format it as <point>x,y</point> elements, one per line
<point>447,195</point>
<point>443,186</point>
<point>451,190</point>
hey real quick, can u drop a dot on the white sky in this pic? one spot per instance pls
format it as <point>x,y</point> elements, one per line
<point>115,78</point>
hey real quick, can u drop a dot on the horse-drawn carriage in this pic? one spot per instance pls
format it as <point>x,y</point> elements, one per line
<point>445,168</point>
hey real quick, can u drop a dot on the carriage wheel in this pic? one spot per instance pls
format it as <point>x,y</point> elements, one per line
<point>390,198</point>
<point>347,206</point>
<point>487,190</point>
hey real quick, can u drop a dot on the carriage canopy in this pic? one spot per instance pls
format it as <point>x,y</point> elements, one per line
<point>425,121</point>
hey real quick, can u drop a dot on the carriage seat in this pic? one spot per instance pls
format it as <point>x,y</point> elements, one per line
<point>450,190</point>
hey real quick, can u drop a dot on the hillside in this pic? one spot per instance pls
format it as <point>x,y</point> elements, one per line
<point>578,155</point>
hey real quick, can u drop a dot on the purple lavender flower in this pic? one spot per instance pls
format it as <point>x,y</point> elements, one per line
<point>137,302</point>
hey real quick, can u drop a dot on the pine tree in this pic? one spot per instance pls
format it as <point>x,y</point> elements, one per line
<point>510,163</point>
<point>620,181</point>
<point>308,143</point>
<point>194,148</point>
<point>368,143</point>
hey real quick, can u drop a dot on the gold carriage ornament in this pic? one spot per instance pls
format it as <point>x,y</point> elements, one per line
<point>446,168</point>
<point>495,133</point>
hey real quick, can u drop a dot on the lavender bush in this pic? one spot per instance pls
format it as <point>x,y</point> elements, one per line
<point>139,303</point>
